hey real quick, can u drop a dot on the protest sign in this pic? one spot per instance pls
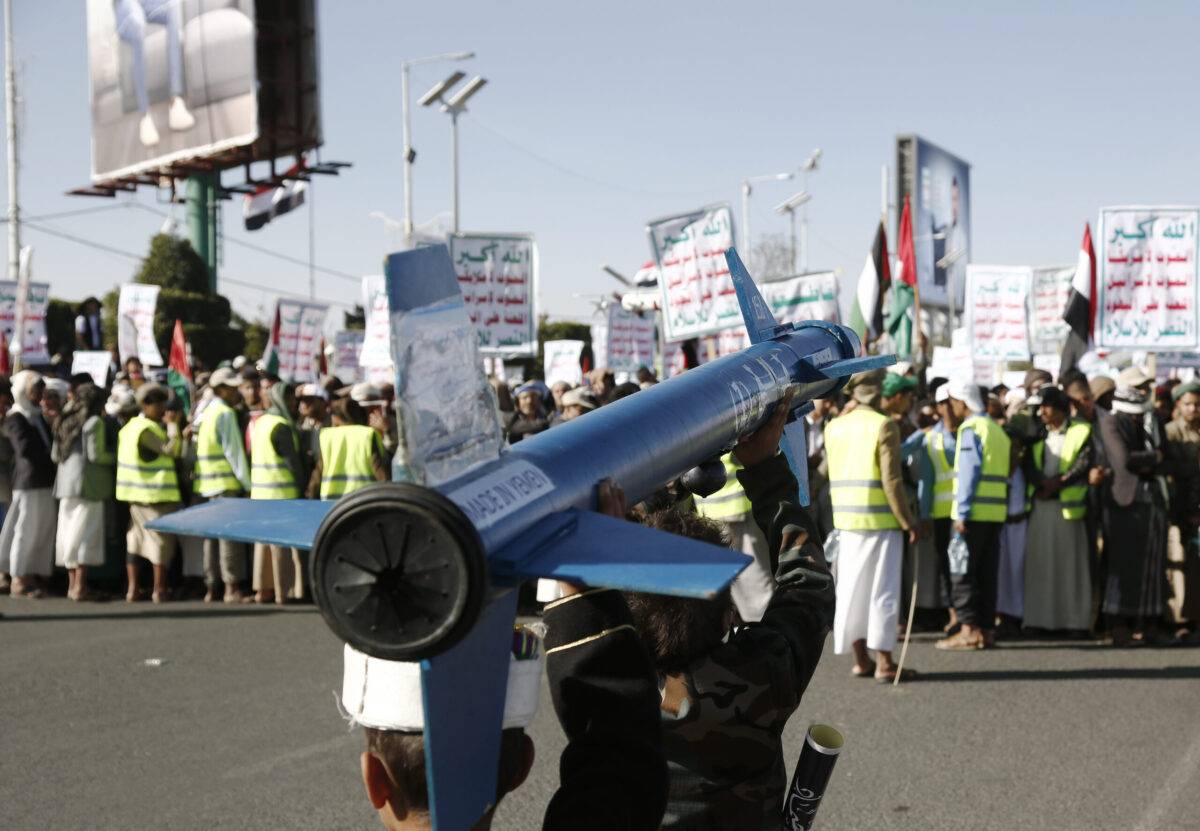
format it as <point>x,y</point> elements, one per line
<point>623,340</point>
<point>497,275</point>
<point>299,339</point>
<point>94,363</point>
<point>809,297</point>
<point>348,346</point>
<point>1048,295</point>
<point>33,340</point>
<point>561,361</point>
<point>996,313</point>
<point>1147,278</point>
<point>135,323</point>
<point>698,297</point>
<point>375,340</point>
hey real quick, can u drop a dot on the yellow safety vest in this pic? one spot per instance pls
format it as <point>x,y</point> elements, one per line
<point>214,474</point>
<point>1072,498</point>
<point>943,475</point>
<point>346,458</point>
<point>270,475</point>
<point>730,502</point>
<point>139,481</point>
<point>855,480</point>
<point>990,500</point>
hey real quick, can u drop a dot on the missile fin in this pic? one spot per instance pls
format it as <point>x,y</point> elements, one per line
<point>760,323</point>
<point>288,522</point>
<point>600,550</point>
<point>463,692</point>
<point>795,448</point>
<point>851,366</point>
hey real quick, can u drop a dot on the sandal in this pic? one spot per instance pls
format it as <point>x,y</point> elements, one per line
<point>961,643</point>
<point>861,672</point>
<point>890,677</point>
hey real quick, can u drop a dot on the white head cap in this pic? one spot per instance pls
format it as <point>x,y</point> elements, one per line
<point>968,393</point>
<point>386,695</point>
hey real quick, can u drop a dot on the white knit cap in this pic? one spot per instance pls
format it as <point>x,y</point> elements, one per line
<point>386,695</point>
<point>968,393</point>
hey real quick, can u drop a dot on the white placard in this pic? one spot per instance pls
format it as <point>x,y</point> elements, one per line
<point>94,362</point>
<point>300,326</point>
<point>698,297</point>
<point>560,361</point>
<point>347,346</point>
<point>376,346</point>
<point>1048,299</point>
<point>623,340</point>
<point>497,275</point>
<point>809,297</point>
<point>1147,278</point>
<point>997,312</point>
<point>33,343</point>
<point>135,323</point>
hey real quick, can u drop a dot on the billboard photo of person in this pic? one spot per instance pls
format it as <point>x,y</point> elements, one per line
<point>941,203</point>
<point>170,80</point>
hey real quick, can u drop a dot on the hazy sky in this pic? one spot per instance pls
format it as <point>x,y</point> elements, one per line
<point>599,117</point>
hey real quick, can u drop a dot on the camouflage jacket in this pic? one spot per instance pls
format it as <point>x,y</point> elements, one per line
<point>723,747</point>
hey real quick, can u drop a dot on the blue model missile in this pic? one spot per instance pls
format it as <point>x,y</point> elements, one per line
<point>406,572</point>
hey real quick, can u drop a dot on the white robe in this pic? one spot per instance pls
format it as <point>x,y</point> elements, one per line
<point>868,589</point>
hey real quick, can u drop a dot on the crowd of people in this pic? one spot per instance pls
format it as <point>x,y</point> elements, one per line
<point>1068,509</point>
<point>85,469</point>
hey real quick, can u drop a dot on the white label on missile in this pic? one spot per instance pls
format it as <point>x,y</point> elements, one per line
<point>491,498</point>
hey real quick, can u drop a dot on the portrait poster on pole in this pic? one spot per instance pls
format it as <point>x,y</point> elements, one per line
<point>1146,278</point>
<point>497,274</point>
<point>698,297</point>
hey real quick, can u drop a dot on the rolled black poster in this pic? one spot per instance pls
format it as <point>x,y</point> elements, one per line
<point>822,745</point>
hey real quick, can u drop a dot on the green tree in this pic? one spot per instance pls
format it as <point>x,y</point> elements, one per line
<point>173,264</point>
<point>60,326</point>
<point>355,319</point>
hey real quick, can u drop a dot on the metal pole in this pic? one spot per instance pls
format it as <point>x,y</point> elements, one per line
<point>406,140</point>
<point>312,246</point>
<point>792,217</point>
<point>746,219</point>
<point>804,240</point>
<point>10,118</point>
<point>454,154</point>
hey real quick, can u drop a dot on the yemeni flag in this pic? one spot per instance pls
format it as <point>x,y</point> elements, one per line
<point>271,352</point>
<point>179,370</point>
<point>5,359</point>
<point>866,317</point>
<point>899,323</point>
<point>268,202</point>
<point>1080,313</point>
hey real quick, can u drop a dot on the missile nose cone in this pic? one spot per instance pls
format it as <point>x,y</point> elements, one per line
<point>398,572</point>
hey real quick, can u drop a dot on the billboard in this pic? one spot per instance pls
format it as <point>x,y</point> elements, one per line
<point>178,80</point>
<point>939,184</point>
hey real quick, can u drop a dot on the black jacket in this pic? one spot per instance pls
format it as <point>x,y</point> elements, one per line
<point>32,466</point>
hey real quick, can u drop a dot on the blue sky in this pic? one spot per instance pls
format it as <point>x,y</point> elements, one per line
<point>599,117</point>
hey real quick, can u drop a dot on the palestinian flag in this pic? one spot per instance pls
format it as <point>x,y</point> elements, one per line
<point>866,317</point>
<point>179,369</point>
<point>268,202</point>
<point>271,350</point>
<point>1080,312</point>
<point>899,322</point>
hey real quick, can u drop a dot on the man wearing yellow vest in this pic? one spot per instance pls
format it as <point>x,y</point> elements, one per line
<point>940,445</point>
<point>350,454</point>
<point>981,471</point>
<point>147,448</point>
<point>752,589</point>
<point>872,515</point>
<point>222,471</point>
<point>276,472</point>
<point>1058,583</point>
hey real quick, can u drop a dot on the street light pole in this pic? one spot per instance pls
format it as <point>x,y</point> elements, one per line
<point>454,162</point>
<point>456,104</point>
<point>747,189</point>
<point>789,206</point>
<point>406,131</point>
<point>10,117</point>
<point>810,164</point>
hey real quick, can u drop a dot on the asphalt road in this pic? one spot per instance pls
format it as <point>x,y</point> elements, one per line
<point>195,717</point>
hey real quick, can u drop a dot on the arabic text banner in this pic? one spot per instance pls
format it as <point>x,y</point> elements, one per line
<point>1049,294</point>
<point>33,341</point>
<point>375,344</point>
<point>497,274</point>
<point>623,340</point>
<point>561,361</point>
<point>347,346</point>
<point>300,326</point>
<point>996,313</point>
<point>135,323</point>
<point>1147,278</point>
<point>697,294</point>
<point>810,297</point>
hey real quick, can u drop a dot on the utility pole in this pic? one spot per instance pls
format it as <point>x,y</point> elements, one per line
<point>10,118</point>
